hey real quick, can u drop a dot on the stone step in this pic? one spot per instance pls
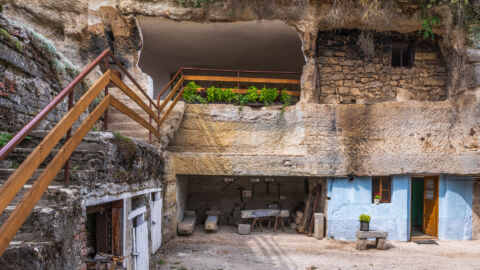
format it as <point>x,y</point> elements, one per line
<point>77,177</point>
<point>47,219</point>
<point>80,158</point>
<point>31,256</point>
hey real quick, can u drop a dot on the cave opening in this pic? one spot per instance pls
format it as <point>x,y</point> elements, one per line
<point>254,45</point>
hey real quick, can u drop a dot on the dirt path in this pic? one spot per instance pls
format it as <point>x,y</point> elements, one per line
<point>268,250</point>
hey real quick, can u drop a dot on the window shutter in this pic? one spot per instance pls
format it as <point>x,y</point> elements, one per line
<point>375,186</point>
<point>386,189</point>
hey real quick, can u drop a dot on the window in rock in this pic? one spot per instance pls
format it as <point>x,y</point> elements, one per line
<point>382,185</point>
<point>104,224</point>
<point>403,54</point>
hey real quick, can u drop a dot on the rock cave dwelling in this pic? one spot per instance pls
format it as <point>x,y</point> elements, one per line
<point>125,124</point>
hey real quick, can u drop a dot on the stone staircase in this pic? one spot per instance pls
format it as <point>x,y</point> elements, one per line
<point>119,122</point>
<point>50,227</point>
<point>45,239</point>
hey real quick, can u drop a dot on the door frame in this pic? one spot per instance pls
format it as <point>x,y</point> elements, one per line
<point>437,191</point>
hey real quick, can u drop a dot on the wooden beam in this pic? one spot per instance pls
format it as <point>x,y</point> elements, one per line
<point>239,79</point>
<point>170,95</point>
<point>21,175</point>
<point>170,108</point>
<point>10,227</point>
<point>244,91</point>
<point>129,92</point>
<point>134,116</point>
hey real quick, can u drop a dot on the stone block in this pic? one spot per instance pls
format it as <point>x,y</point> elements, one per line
<point>244,229</point>
<point>211,224</point>
<point>381,243</point>
<point>361,244</point>
<point>319,225</point>
<point>372,234</point>
<point>187,226</point>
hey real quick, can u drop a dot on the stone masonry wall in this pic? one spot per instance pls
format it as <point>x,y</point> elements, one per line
<point>350,75</point>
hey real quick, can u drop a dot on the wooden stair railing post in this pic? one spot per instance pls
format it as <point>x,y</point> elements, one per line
<point>66,172</point>
<point>105,117</point>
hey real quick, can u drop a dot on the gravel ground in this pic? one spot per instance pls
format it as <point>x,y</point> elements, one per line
<point>226,249</point>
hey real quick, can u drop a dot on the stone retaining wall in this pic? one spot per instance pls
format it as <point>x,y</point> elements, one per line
<point>349,75</point>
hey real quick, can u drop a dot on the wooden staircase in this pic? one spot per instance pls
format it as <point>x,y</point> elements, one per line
<point>20,196</point>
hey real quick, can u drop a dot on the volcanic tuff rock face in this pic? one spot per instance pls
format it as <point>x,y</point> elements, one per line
<point>309,139</point>
<point>82,29</point>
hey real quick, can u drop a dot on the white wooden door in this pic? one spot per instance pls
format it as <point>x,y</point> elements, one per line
<point>141,244</point>
<point>156,220</point>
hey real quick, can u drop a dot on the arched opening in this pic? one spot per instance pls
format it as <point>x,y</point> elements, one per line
<point>257,45</point>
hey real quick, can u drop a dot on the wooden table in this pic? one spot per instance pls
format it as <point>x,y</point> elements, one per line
<point>257,214</point>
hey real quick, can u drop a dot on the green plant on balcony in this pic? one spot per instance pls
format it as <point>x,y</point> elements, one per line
<point>268,95</point>
<point>251,95</point>
<point>190,92</point>
<point>286,99</point>
<point>214,94</point>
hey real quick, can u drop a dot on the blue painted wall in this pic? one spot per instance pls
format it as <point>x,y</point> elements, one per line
<point>455,208</point>
<point>350,199</point>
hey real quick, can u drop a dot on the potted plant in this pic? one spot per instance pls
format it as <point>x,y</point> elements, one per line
<point>376,198</point>
<point>364,222</point>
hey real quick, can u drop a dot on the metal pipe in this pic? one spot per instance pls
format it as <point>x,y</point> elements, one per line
<point>4,151</point>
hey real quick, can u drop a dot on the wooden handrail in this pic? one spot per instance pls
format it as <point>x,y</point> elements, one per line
<point>6,149</point>
<point>239,79</point>
<point>24,172</point>
<point>244,91</point>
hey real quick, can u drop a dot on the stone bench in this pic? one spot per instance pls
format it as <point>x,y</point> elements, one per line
<point>380,239</point>
<point>187,226</point>
<point>211,224</point>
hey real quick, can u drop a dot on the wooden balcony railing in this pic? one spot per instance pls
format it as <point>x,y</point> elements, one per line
<point>180,78</point>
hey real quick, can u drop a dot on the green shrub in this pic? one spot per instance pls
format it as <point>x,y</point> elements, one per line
<point>214,94</point>
<point>364,218</point>
<point>286,99</point>
<point>268,95</point>
<point>251,94</point>
<point>190,92</point>
<point>229,96</point>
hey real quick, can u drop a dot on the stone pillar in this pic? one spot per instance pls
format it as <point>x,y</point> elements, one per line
<point>309,81</point>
